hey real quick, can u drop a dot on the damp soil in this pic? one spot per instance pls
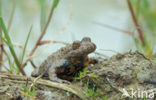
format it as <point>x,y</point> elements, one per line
<point>106,80</point>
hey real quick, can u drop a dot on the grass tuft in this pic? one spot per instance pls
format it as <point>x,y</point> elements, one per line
<point>10,45</point>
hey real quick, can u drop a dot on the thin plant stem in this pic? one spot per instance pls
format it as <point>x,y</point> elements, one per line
<point>12,15</point>
<point>43,32</point>
<point>136,23</point>
<point>115,28</point>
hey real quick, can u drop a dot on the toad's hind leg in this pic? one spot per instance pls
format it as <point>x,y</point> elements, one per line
<point>35,73</point>
<point>53,76</point>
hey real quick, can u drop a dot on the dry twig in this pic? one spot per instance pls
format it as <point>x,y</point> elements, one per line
<point>23,79</point>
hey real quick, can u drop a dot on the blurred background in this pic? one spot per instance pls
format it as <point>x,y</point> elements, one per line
<point>102,20</point>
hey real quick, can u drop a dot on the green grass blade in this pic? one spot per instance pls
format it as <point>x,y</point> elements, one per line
<point>10,45</point>
<point>43,13</point>
<point>0,7</point>
<point>5,31</point>
<point>7,38</point>
<point>26,94</point>
<point>145,3</point>
<point>25,45</point>
<point>33,90</point>
<point>15,68</point>
<point>3,40</point>
<point>0,14</point>
<point>12,15</point>
<point>55,3</point>
<point>26,89</point>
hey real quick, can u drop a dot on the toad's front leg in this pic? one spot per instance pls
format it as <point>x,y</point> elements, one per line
<point>35,73</point>
<point>53,76</point>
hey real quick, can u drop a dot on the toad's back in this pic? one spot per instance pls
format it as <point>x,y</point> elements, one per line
<point>54,60</point>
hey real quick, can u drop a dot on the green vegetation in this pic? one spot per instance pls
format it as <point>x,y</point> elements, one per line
<point>91,92</point>
<point>29,92</point>
<point>104,98</point>
<point>81,74</point>
<point>10,45</point>
<point>146,17</point>
<point>145,99</point>
<point>18,64</point>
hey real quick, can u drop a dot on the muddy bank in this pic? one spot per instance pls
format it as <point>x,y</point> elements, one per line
<point>105,80</point>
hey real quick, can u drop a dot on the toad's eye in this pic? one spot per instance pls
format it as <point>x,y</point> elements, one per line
<point>76,45</point>
<point>86,39</point>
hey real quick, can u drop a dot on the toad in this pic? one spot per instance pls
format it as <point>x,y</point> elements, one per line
<point>67,62</point>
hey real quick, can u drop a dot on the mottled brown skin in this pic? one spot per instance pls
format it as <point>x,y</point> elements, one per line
<point>67,62</point>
